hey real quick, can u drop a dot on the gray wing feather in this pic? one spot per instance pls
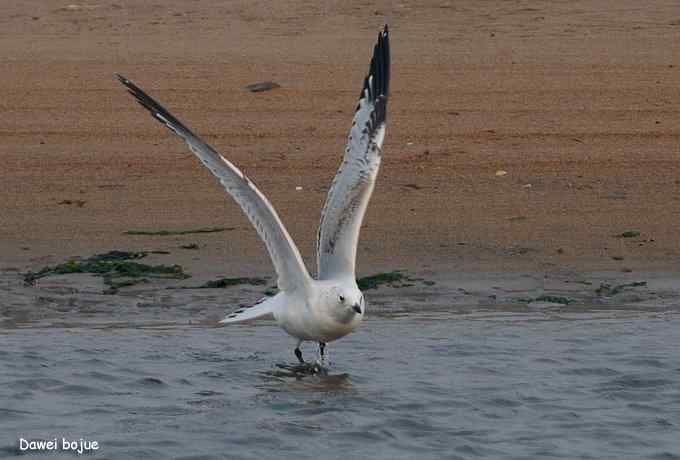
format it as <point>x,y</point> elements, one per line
<point>285,256</point>
<point>353,184</point>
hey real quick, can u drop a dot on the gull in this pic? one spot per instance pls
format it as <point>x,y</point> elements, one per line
<point>330,306</point>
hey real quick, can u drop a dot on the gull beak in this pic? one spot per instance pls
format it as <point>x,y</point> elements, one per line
<point>357,308</point>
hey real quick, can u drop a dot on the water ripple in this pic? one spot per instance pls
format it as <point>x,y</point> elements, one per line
<point>463,385</point>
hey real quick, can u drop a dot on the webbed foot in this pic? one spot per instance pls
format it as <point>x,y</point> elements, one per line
<point>303,369</point>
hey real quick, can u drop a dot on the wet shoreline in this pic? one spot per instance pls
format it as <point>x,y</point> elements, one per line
<point>81,298</point>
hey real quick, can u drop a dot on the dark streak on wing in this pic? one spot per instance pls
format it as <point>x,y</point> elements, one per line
<point>244,308</point>
<point>161,114</point>
<point>350,208</point>
<point>157,110</point>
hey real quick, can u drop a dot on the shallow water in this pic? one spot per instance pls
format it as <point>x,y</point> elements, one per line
<point>470,383</point>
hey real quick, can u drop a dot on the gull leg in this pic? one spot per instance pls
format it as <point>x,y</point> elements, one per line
<point>298,353</point>
<point>322,352</point>
<point>320,365</point>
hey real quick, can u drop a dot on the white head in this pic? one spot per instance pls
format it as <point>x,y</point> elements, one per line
<point>347,302</point>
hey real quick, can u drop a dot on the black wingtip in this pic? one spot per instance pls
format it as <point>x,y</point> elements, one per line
<point>377,82</point>
<point>380,66</point>
<point>123,80</point>
<point>159,112</point>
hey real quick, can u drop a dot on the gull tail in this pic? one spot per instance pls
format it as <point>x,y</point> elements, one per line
<point>263,307</point>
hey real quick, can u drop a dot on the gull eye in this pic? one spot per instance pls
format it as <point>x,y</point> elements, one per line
<point>342,299</point>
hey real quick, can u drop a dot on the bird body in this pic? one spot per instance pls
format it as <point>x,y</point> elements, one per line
<point>319,315</point>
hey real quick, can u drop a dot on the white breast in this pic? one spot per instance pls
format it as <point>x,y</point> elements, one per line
<point>311,320</point>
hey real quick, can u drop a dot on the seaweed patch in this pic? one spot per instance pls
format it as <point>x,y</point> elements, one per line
<point>393,279</point>
<point>554,299</point>
<point>607,290</point>
<point>223,283</point>
<point>178,232</point>
<point>117,268</point>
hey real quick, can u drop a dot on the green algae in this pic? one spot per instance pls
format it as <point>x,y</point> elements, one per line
<point>607,290</point>
<point>177,232</point>
<point>117,268</point>
<point>223,283</point>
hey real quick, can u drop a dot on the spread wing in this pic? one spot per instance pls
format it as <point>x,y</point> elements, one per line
<point>284,254</point>
<point>353,184</point>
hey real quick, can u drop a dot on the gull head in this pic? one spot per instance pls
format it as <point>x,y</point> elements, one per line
<point>348,301</point>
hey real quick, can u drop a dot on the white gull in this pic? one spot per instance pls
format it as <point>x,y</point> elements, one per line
<point>330,306</point>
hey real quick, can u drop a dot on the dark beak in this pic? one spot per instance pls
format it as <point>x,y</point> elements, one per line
<point>357,308</point>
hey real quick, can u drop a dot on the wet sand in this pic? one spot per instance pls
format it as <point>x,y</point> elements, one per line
<point>577,102</point>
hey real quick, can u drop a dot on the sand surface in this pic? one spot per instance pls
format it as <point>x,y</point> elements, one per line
<point>576,101</point>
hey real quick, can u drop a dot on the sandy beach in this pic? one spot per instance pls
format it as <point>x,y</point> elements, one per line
<point>521,136</point>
